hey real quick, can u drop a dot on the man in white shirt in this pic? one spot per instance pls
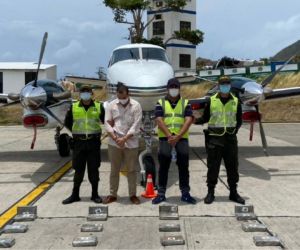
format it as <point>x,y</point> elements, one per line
<point>122,122</point>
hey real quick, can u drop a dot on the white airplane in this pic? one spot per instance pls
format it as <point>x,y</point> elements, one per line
<point>145,69</point>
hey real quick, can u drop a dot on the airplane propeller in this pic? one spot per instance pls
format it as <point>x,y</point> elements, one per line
<point>13,97</point>
<point>34,96</point>
<point>267,90</point>
<point>9,104</point>
<point>266,81</point>
<point>262,132</point>
<point>41,57</point>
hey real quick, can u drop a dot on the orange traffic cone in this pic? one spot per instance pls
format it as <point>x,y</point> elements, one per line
<point>149,192</point>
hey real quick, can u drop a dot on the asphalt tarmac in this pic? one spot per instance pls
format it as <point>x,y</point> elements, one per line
<point>270,183</point>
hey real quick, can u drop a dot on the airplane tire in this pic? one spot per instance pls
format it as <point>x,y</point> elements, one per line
<point>63,145</point>
<point>149,166</point>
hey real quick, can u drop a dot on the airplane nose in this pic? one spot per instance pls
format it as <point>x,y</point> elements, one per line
<point>148,81</point>
<point>253,93</point>
<point>33,97</point>
<point>253,88</point>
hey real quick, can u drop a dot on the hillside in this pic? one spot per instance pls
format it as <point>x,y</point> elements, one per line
<point>288,52</point>
<point>287,110</point>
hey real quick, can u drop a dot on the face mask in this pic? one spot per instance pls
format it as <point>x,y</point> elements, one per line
<point>225,88</point>
<point>174,92</point>
<point>85,96</point>
<point>123,101</point>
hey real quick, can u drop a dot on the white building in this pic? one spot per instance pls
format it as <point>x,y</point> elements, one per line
<point>182,54</point>
<point>14,75</point>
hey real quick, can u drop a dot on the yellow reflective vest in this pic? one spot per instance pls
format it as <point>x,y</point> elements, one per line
<point>222,117</point>
<point>173,118</point>
<point>86,122</point>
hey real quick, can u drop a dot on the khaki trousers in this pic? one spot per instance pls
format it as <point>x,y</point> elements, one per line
<point>120,158</point>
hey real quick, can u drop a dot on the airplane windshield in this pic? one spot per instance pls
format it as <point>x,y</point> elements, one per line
<point>50,87</point>
<point>154,54</point>
<point>124,54</point>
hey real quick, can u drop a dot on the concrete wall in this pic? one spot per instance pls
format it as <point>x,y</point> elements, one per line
<point>173,54</point>
<point>14,80</point>
<point>235,71</point>
<point>51,73</point>
<point>289,67</point>
<point>246,70</point>
<point>260,69</point>
<point>213,72</point>
<point>172,23</point>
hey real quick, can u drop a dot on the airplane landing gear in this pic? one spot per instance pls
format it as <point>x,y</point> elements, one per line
<point>146,160</point>
<point>148,167</point>
<point>62,142</point>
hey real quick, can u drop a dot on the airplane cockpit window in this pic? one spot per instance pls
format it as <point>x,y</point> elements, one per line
<point>238,82</point>
<point>124,54</point>
<point>154,54</point>
<point>50,87</point>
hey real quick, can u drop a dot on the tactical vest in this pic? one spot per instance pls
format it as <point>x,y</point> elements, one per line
<point>173,118</point>
<point>222,117</point>
<point>86,122</point>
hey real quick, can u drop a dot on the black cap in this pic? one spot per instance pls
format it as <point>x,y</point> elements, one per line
<point>224,80</point>
<point>85,88</point>
<point>173,83</point>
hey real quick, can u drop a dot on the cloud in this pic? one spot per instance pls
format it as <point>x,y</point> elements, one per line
<point>71,52</point>
<point>291,24</point>
<point>86,26</point>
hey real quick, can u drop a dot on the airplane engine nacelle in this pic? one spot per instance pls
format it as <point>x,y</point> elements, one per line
<point>33,97</point>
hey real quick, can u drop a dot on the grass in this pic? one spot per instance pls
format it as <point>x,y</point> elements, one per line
<point>287,110</point>
<point>11,115</point>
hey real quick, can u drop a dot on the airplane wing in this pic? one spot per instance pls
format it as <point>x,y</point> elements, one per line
<point>3,98</point>
<point>282,93</point>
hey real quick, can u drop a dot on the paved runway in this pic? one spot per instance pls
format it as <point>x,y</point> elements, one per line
<point>270,183</point>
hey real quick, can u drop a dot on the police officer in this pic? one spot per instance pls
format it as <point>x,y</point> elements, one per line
<point>83,119</point>
<point>174,117</point>
<point>224,116</point>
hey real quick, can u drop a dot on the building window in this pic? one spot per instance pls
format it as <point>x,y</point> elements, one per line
<point>185,25</point>
<point>185,61</point>
<point>159,3</point>
<point>1,82</point>
<point>158,28</point>
<point>29,77</point>
<point>157,17</point>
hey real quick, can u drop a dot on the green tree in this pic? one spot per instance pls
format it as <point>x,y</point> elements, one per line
<point>136,9</point>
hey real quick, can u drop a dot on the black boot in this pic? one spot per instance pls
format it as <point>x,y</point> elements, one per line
<point>234,196</point>
<point>210,197</point>
<point>73,198</point>
<point>95,197</point>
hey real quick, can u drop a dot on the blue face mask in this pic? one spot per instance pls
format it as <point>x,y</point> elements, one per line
<point>225,88</point>
<point>85,96</point>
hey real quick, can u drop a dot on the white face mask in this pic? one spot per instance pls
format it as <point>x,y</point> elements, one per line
<point>174,92</point>
<point>123,101</point>
<point>85,96</point>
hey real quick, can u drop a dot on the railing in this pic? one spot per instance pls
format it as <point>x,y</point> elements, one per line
<point>243,71</point>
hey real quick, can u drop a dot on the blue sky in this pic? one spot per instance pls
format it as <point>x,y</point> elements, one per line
<point>82,33</point>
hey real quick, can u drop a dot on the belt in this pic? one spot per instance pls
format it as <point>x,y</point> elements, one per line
<point>86,137</point>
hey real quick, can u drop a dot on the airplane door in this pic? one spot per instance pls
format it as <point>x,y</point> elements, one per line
<point>1,82</point>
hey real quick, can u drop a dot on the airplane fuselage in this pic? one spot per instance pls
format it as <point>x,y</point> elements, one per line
<point>144,68</point>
